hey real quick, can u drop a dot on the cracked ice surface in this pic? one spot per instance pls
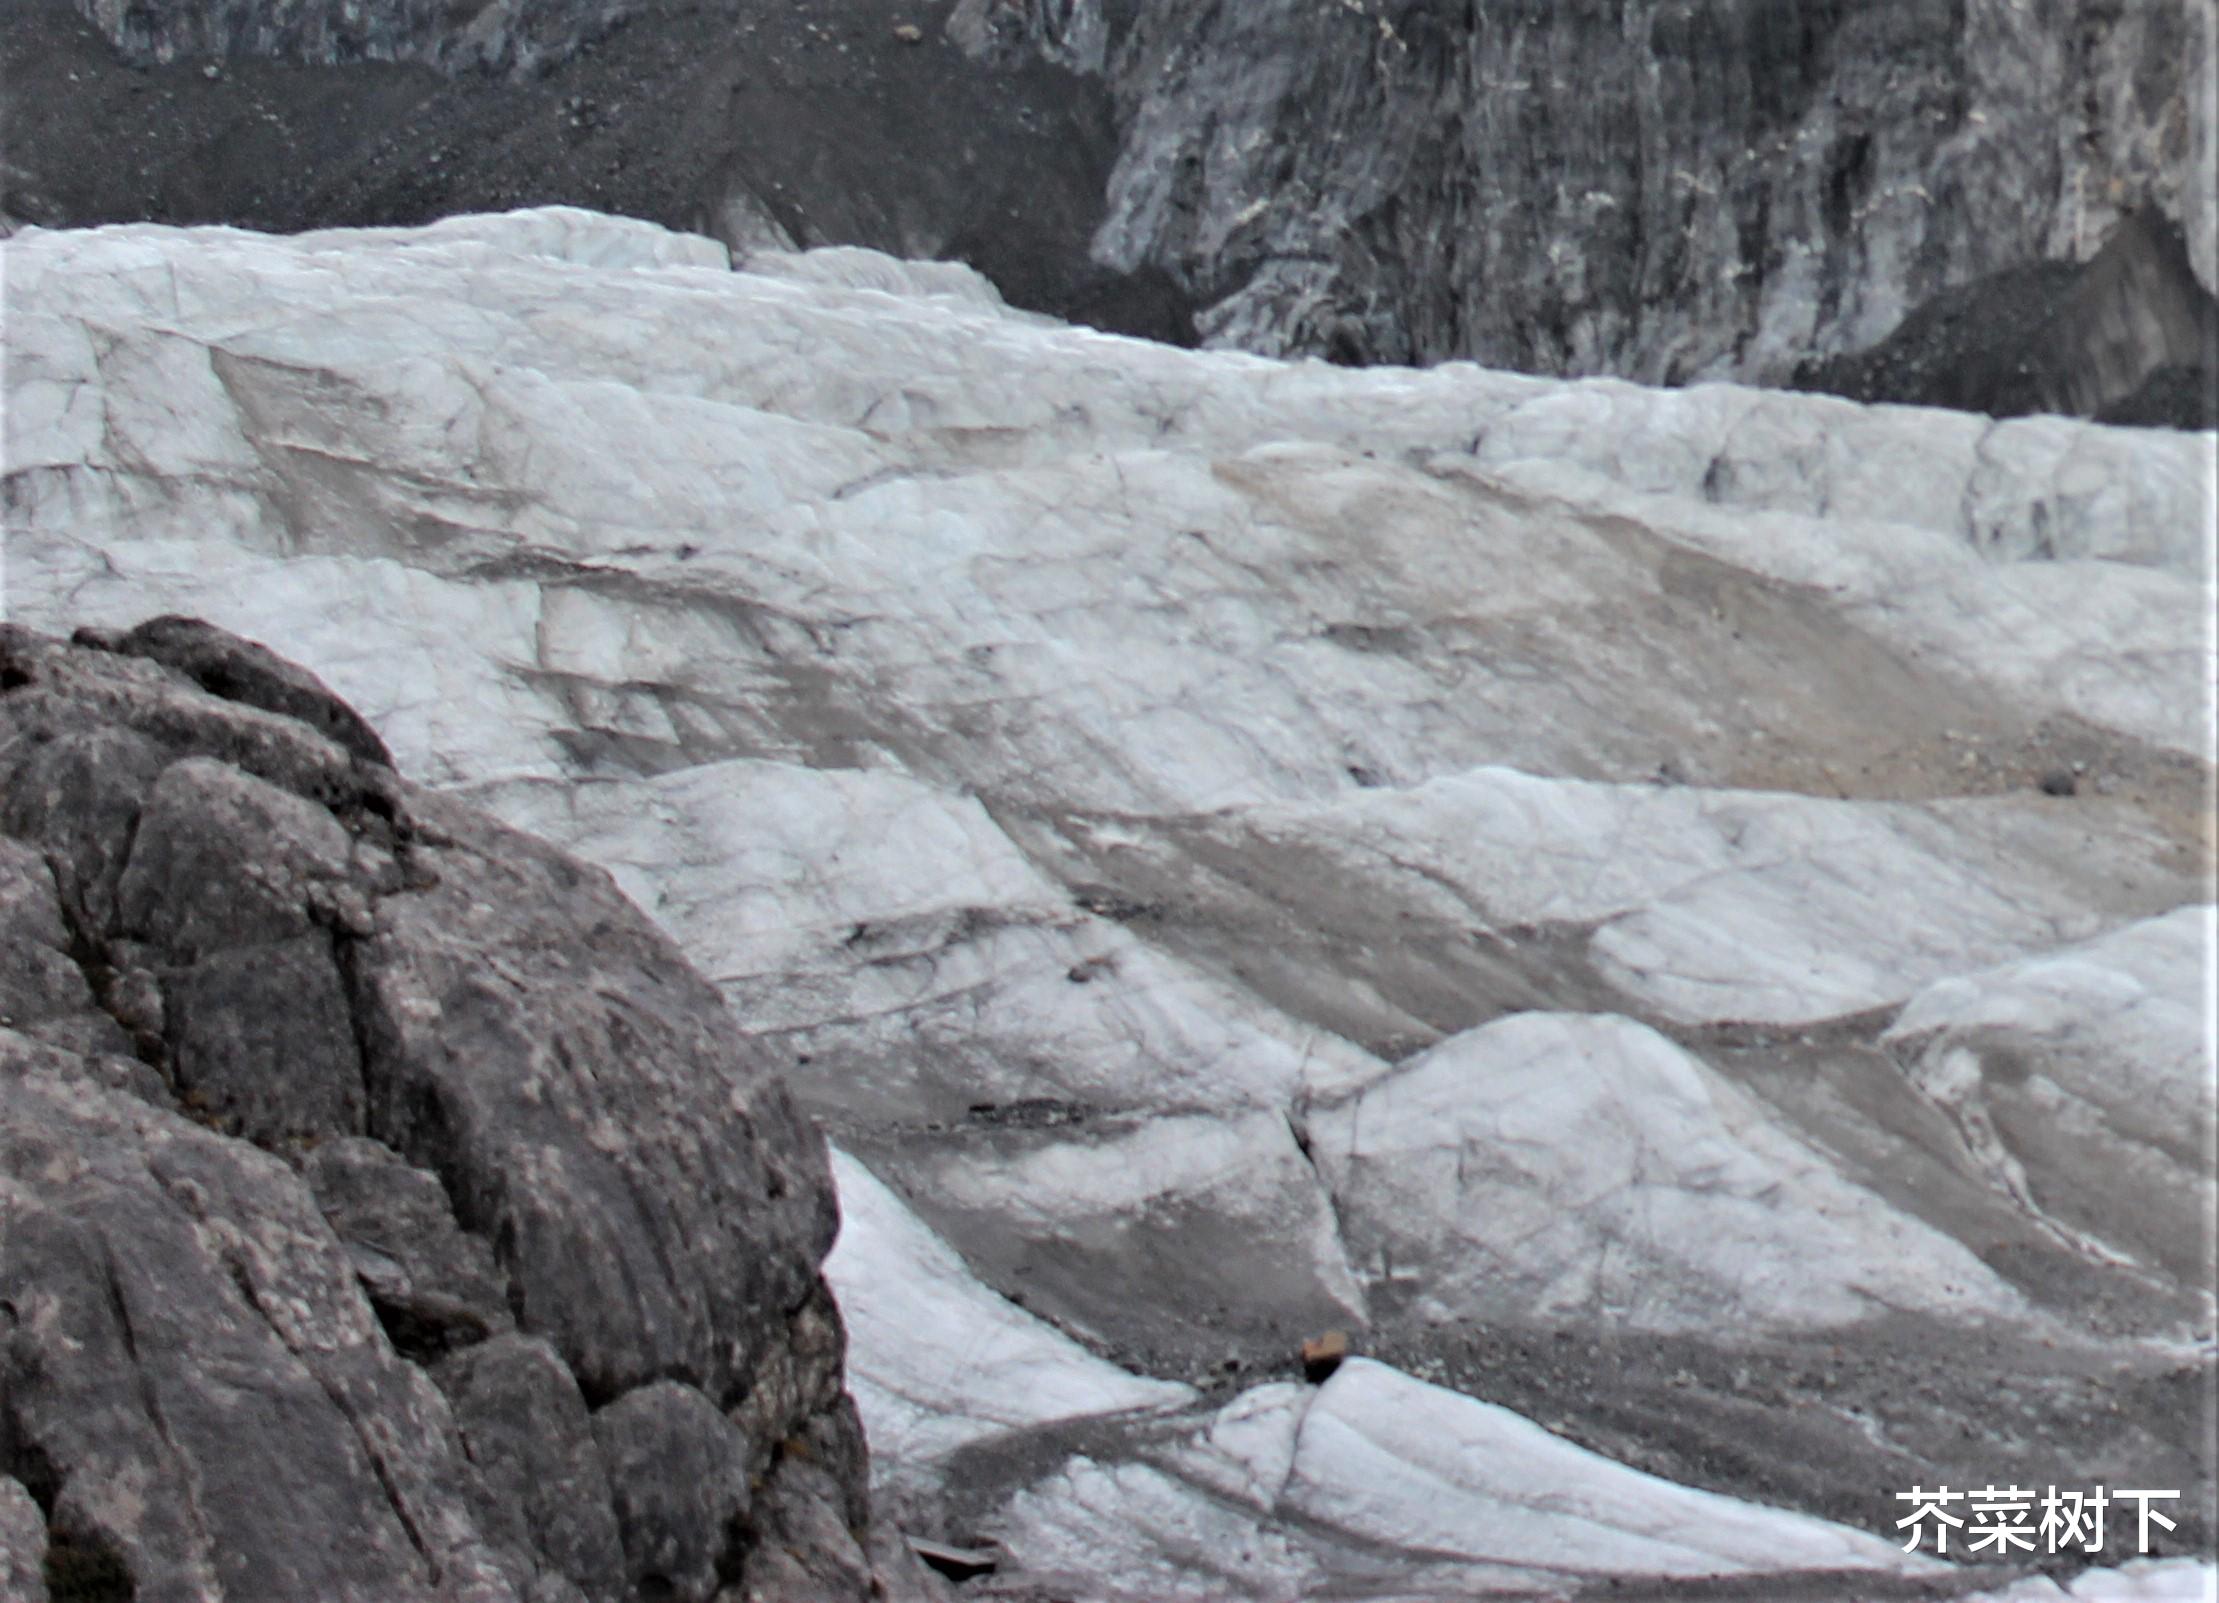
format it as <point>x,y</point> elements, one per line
<point>1284,1486</point>
<point>1730,904</point>
<point>1553,880</point>
<point>1624,1179</point>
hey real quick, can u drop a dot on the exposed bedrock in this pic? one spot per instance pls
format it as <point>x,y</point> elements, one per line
<point>2127,336</point>
<point>389,1211</point>
<point>1658,190</point>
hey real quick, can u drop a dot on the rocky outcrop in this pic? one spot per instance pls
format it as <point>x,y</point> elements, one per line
<point>1661,191</point>
<point>2128,336</point>
<point>390,1212</point>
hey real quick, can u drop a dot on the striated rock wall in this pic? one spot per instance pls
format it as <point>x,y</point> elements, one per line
<point>1659,189</point>
<point>387,1211</point>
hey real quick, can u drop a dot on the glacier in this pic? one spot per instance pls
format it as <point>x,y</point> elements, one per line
<point>1678,920</point>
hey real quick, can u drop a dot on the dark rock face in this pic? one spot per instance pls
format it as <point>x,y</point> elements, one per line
<point>2126,337</point>
<point>532,1439</point>
<point>495,35</point>
<point>390,1212</point>
<point>433,1285</point>
<point>22,1545</point>
<point>679,1469</point>
<point>1663,191</point>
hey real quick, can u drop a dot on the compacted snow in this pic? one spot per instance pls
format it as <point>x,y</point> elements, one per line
<point>1677,921</point>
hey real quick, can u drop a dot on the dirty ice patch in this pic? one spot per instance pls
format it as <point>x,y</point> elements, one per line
<point>936,1360</point>
<point>1379,1484</point>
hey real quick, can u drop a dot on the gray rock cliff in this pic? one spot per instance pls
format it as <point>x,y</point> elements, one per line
<point>387,1211</point>
<point>1663,190</point>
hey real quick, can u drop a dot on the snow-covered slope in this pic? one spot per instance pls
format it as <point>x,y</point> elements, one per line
<point>1677,920</point>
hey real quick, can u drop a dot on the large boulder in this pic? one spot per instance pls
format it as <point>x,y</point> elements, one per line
<point>372,1173</point>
